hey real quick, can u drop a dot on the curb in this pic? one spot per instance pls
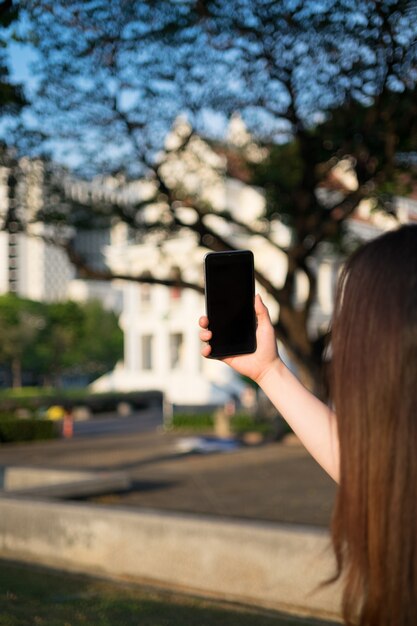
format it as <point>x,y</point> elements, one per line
<point>268,565</point>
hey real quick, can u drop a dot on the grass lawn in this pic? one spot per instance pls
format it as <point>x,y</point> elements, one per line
<point>32,596</point>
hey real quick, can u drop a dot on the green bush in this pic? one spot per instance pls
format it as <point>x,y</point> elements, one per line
<point>7,416</point>
<point>13,430</point>
<point>242,423</point>
<point>239,423</point>
<point>193,421</point>
<point>26,392</point>
<point>36,399</point>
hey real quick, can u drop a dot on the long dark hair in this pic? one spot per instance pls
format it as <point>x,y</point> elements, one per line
<point>374,391</point>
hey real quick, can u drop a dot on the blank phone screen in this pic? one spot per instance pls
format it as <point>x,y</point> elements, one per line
<point>230,292</point>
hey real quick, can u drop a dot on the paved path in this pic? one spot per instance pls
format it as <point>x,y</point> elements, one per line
<point>275,482</point>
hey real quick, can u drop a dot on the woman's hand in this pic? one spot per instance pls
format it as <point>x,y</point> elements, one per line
<point>253,365</point>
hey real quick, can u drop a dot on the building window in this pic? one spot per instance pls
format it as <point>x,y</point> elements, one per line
<point>147,352</point>
<point>176,341</point>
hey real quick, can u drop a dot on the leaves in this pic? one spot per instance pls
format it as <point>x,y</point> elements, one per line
<point>60,338</point>
<point>115,75</point>
<point>12,98</point>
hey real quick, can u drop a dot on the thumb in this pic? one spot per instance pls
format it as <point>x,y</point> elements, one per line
<point>260,309</point>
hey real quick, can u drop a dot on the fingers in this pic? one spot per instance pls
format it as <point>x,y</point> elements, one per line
<point>203,321</point>
<point>205,335</point>
<point>205,350</point>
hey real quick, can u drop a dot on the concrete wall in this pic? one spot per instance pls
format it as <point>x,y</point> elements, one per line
<point>12,478</point>
<point>255,563</point>
<point>40,482</point>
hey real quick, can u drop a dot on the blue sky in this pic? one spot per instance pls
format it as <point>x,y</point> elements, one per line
<point>20,58</point>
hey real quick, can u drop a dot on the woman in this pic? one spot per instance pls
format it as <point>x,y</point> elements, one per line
<point>369,443</point>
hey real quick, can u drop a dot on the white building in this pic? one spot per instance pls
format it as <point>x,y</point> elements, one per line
<point>29,266</point>
<point>160,325</point>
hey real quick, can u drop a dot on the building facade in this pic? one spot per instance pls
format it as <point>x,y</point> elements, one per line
<point>30,265</point>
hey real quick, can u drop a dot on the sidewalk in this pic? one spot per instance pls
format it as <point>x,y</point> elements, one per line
<point>273,482</point>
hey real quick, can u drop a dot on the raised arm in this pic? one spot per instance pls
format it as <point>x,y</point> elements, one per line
<point>312,421</point>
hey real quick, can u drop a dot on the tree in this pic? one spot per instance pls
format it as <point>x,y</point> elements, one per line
<point>11,95</point>
<point>12,99</point>
<point>315,82</point>
<point>78,339</point>
<point>101,344</point>
<point>62,337</point>
<point>21,323</point>
<point>57,339</point>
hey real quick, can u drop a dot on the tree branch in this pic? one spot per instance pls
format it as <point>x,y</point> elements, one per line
<point>87,272</point>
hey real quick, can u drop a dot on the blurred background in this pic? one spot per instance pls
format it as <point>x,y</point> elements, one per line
<point>137,136</point>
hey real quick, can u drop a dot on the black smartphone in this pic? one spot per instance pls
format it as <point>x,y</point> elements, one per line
<point>230,295</point>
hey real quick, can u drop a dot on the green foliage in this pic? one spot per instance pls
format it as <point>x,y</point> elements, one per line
<point>33,399</point>
<point>21,394</point>
<point>11,95</point>
<point>26,430</point>
<point>98,325</point>
<point>240,423</point>
<point>192,421</point>
<point>7,416</point>
<point>281,64</point>
<point>36,400</point>
<point>280,174</point>
<point>58,338</point>
<point>21,322</point>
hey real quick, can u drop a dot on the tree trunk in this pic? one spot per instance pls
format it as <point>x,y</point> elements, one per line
<point>16,373</point>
